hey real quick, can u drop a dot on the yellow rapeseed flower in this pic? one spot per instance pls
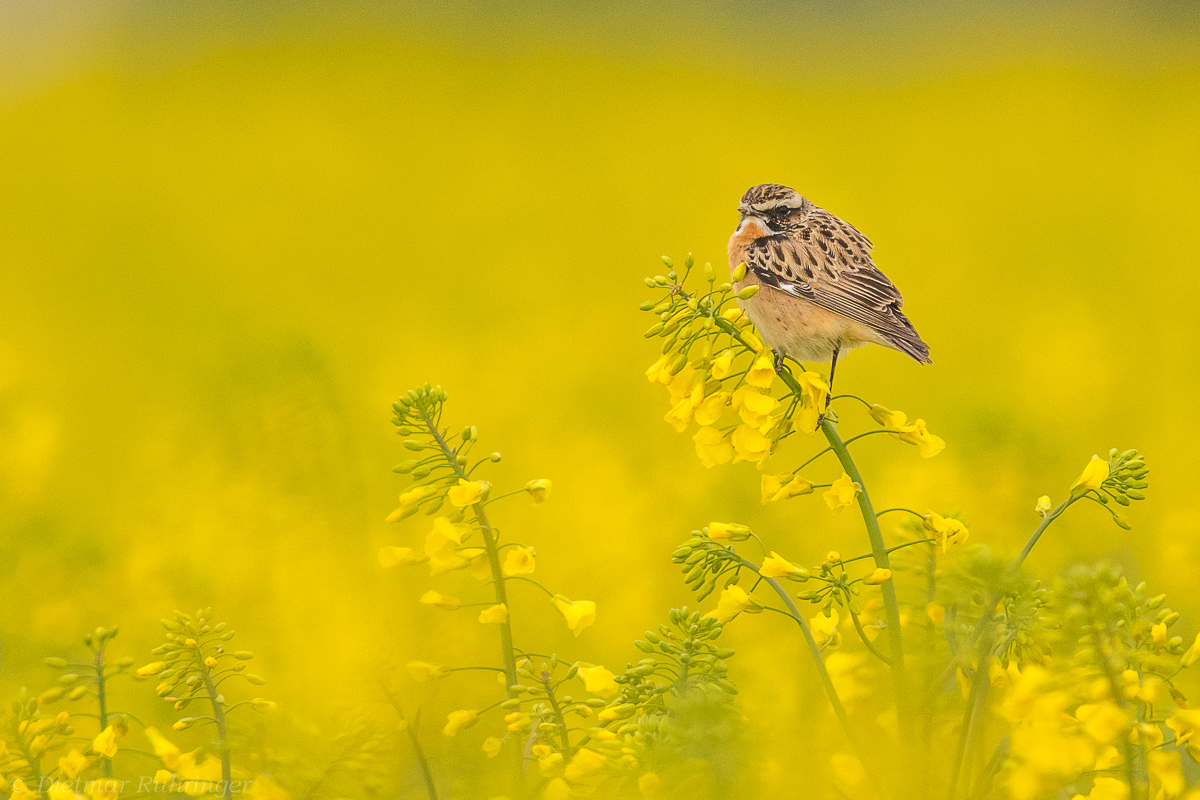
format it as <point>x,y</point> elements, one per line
<point>518,561</point>
<point>814,394</point>
<point>492,746</point>
<point>749,444</point>
<point>825,629</point>
<point>755,407</point>
<point>466,493</point>
<point>842,492</point>
<point>153,668</point>
<point>784,486</point>
<point>721,365</point>
<point>658,372</point>
<point>584,764</point>
<point>422,671</point>
<point>442,601</point>
<point>539,490</point>
<point>409,501</point>
<point>400,557</point>
<point>579,614</point>
<point>712,447</point>
<point>1192,653</point>
<point>945,530</point>
<point>73,763</point>
<point>105,742</point>
<point>1043,505</point>
<point>167,752</point>
<point>880,575</point>
<point>494,615</point>
<point>598,680</point>
<point>733,601</point>
<point>681,384</point>
<point>762,371</point>
<point>457,720</point>
<point>732,531</point>
<point>776,566</point>
<point>1158,633</point>
<point>1093,477</point>
<point>713,408</point>
<point>680,415</point>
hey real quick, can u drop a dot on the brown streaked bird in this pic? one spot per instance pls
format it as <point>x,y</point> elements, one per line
<point>820,294</point>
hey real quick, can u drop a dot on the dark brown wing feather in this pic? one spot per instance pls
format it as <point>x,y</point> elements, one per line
<point>828,262</point>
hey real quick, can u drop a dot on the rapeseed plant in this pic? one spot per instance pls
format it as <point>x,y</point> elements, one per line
<point>999,628</point>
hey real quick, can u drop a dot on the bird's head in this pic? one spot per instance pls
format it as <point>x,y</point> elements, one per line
<point>770,205</point>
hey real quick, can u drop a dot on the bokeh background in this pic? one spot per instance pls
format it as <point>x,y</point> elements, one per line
<point>231,233</point>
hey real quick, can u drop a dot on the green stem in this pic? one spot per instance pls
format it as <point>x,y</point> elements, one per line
<point>980,683</point>
<point>891,608</point>
<point>558,715</point>
<point>102,697</point>
<point>493,554</point>
<point>222,737</point>
<point>863,635</point>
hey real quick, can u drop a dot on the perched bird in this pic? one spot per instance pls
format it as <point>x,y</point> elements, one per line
<point>820,294</point>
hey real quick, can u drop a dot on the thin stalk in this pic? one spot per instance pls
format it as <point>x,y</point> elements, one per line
<point>493,555</point>
<point>222,738</point>
<point>891,608</point>
<point>102,697</point>
<point>558,715</point>
<point>990,608</point>
<point>418,752</point>
<point>980,683</point>
<point>826,681</point>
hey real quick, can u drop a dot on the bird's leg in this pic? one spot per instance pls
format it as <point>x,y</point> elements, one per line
<point>779,356</point>
<point>829,397</point>
<point>832,367</point>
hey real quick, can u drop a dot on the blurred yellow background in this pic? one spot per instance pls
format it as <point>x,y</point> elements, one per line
<point>230,236</point>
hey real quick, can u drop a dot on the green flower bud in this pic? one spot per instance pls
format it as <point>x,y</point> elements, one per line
<point>747,293</point>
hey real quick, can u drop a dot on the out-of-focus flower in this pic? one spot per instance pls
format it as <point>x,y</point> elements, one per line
<point>494,615</point>
<point>105,742</point>
<point>584,764</point>
<point>659,371</point>
<point>466,493</point>
<point>492,746</point>
<point>1092,478</point>
<point>539,490</point>
<point>1043,505</point>
<point>680,415</point>
<point>733,601</point>
<point>73,763</point>
<point>936,613</point>
<point>776,566</point>
<point>842,492</point>
<point>457,720</point>
<point>784,486</point>
<point>409,501</point>
<point>579,614</point>
<point>400,557</point>
<point>731,531</point>
<point>443,601</point>
<point>518,561</point>
<point>880,575</point>
<point>712,447</point>
<point>598,680</point>
<point>825,629</point>
<point>945,530</point>
<point>152,668</point>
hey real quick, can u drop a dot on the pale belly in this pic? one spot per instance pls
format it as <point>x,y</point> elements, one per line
<point>796,327</point>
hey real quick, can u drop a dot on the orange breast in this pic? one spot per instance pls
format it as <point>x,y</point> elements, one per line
<point>750,230</point>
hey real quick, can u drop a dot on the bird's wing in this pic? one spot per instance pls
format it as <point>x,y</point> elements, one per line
<point>828,262</point>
